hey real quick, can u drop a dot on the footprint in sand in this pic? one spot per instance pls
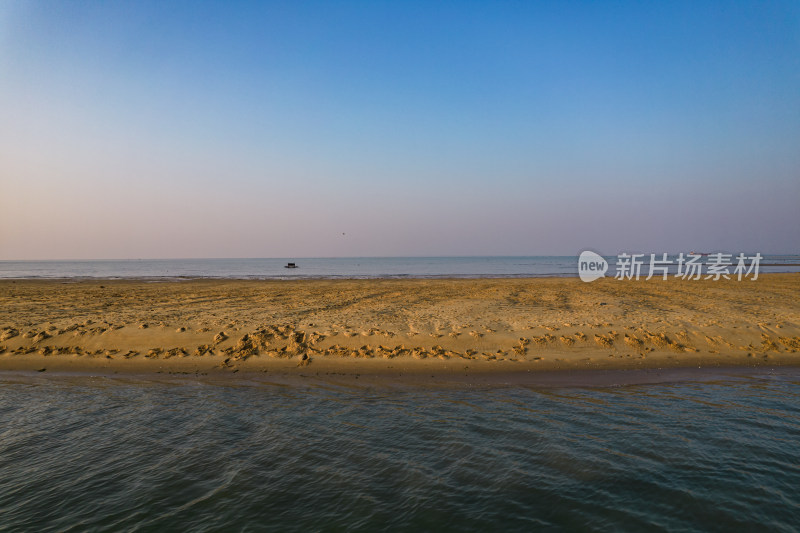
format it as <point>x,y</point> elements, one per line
<point>8,333</point>
<point>42,335</point>
<point>202,349</point>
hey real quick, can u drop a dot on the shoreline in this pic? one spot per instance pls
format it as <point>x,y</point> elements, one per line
<point>388,326</point>
<point>792,269</point>
<point>455,368</point>
<point>276,278</point>
<point>545,379</point>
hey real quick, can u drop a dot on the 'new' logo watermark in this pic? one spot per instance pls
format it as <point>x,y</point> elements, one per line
<point>591,266</point>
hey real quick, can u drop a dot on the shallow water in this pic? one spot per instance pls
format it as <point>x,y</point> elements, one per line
<point>207,454</point>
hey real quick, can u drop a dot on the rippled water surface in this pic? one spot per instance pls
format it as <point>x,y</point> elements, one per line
<point>203,454</point>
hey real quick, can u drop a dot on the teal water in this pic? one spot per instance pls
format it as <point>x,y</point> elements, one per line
<point>716,453</point>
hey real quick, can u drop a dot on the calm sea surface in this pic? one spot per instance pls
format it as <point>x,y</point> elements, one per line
<point>714,453</point>
<point>346,267</point>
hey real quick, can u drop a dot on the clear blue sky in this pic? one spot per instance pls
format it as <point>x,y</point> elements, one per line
<point>275,129</point>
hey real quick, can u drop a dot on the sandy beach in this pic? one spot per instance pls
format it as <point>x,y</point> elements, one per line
<point>419,325</point>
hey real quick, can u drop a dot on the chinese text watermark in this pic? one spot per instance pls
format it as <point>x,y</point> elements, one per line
<point>692,266</point>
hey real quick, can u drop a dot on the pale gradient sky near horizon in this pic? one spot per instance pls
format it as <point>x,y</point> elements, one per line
<point>315,129</point>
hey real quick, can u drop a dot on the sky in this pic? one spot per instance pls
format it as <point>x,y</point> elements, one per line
<point>375,128</point>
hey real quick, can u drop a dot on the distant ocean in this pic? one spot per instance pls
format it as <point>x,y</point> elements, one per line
<point>327,267</point>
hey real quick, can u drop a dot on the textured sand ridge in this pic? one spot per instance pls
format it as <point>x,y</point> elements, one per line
<point>509,324</point>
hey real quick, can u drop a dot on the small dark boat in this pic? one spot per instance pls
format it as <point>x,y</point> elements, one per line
<point>290,265</point>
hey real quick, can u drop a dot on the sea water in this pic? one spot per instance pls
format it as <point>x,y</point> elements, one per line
<point>715,452</point>
<point>343,267</point>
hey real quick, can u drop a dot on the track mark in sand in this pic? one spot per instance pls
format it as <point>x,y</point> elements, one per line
<point>792,343</point>
<point>606,341</point>
<point>8,333</point>
<point>661,340</point>
<point>767,344</point>
<point>633,341</point>
<point>521,348</point>
<point>175,352</point>
<point>544,340</point>
<point>202,349</point>
<point>39,337</point>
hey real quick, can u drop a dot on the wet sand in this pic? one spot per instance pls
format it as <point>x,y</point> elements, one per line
<point>397,327</point>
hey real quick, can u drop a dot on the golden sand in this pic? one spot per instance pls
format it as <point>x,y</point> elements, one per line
<point>480,325</point>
